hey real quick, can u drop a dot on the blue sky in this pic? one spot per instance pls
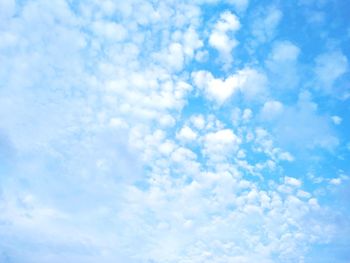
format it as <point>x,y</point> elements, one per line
<point>174,131</point>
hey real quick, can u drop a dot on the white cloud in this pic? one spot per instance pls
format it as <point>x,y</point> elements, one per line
<point>167,121</point>
<point>292,181</point>
<point>110,30</point>
<point>172,57</point>
<point>118,123</point>
<point>329,67</point>
<point>176,57</point>
<point>247,115</point>
<point>220,38</point>
<point>167,147</point>
<point>253,84</point>
<point>285,51</point>
<point>186,134</point>
<point>336,120</point>
<point>219,145</point>
<point>282,64</point>
<point>216,89</point>
<point>264,143</point>
<point>286,156</point>
<point>266,23</point>
<point>314,203</point>
<point>335,181</point>
<point>180,155</point>
<point>271,110</point>
<point>198,121</point>
<point>191,41</point>
<point>241,5</point>
<point>90,153</point>
<point>303,194</point>
<point>249,82</point>
<point>313,130</point>
<point>7,8</point>
<point>202,55</point>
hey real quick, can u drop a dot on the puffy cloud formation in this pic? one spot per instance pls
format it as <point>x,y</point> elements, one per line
<point>172,131</point>
<point>249,82</point>
<point>220,39</point>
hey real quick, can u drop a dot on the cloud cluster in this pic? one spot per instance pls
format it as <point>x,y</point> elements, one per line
<point>122,141</point>
<point>250,83</point>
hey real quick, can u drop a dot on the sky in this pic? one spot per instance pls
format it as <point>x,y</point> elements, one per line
<point>148,131</point>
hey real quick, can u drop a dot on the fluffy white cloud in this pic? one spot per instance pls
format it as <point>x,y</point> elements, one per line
<point>220,144</point>
<point>249,82</point>
<point>198,121</point>
<point>104,153</point>
<point>186,134</point>
<point>292,181</point>
<point>220,38</point>
<point>191,41</point>
<point>215,88</point>
<point>110,30</point>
